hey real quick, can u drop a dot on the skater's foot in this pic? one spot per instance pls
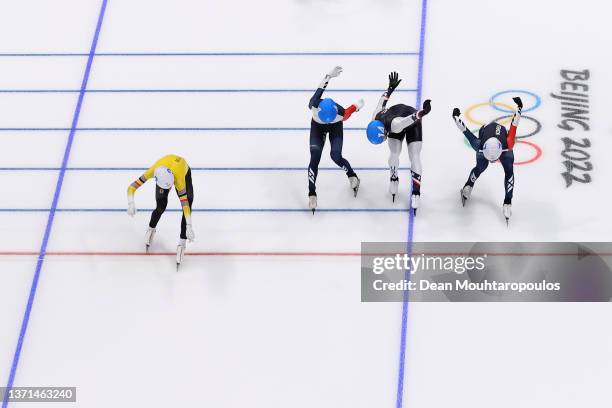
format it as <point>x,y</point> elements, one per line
<point>415,202</point>
<point>180,252</point>
<point>393,186</point>
<point>466,191</point>
<point>507,210</point>
<point>312,202</point>
<point>149,238</point>
<point>354,181</point>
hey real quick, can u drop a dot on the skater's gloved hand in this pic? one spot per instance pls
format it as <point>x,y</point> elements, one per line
<point>131,207</point>
<point>518,102</point>
<point>426,109</point>
<point>394,82</point>
<point>458,121</point>
<point>189,232</point>
<point>460,125</point>
<point>335,72</point>
<point>517,116</point>
<point>359,104</point>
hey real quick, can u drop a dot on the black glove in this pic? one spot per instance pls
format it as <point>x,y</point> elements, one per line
<point>394,81</point>
<point>518,102</point>
<point>456,112</point>
<point>426,107</point>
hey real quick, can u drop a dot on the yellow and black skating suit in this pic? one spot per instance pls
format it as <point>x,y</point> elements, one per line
<point>179,168</point>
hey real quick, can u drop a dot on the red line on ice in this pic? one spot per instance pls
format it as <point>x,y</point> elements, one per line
<point>281,253</point>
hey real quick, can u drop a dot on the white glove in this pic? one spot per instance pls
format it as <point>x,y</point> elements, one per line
<point>189,233</point>
<point>359,104</point>
<point>460,125</point>
<point>335,72</point>
<point>131,207</point>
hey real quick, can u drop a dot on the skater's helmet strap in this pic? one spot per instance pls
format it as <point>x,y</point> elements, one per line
<point>492,149</point>
<point>164,177</point>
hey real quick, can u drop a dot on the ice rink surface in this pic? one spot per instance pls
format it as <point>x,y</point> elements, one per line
<point>266,309</point>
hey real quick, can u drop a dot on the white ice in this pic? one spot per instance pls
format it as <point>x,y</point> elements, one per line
<point>287,331</point>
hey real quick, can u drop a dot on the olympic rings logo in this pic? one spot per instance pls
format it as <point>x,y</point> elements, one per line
<point>503,113</point>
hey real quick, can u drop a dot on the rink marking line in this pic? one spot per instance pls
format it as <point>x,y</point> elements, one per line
<point>216,54</point>
<point>296,253</point>
<point>211,169</point>
<point>206,210</point>
<point>212,253</point>
<point>410,240</point>
<point>56,195</point>
<point>168,129</point>
<point>60,91</point>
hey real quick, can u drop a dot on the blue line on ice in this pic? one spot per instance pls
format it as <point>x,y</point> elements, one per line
<point>53,209</point>
<point>406,299</point>
<point>291,90</point>
<point>210,210</point>
<point>213,54</point>
<point>211,169</point>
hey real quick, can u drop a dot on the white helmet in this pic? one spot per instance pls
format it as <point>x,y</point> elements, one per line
<point>164,177</point>
<point>492,149</point>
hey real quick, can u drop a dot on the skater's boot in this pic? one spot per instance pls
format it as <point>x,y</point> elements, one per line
<point>393,186</point>
<point>354,181</point>
<point>312,202</point>
<point>415,202</point>
<point>507,210</point>
<point>149,238</point>
<point>466,191</point>
<point>180,252</point>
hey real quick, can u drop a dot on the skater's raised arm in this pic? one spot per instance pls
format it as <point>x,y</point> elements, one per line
<point>515,121</point>
<point>382,103</point>
<point>352,109</point>
<point>400,123</point>
<point>474,142</point>
<point>316,98</point>
<point>394,82</point>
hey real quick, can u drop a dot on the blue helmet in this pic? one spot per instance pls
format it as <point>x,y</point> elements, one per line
<point>327,110</point>
<point>376,132</point>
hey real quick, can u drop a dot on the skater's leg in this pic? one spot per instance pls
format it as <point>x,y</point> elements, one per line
<point>414,152</point>
<point>481,165</point>
<point>161,198</point>
<point>189,186</point>
<point>317,141</point>
<point>395,149</point>
<point>414,139</point>
<point>507,161</point>
<point>336,141</point>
